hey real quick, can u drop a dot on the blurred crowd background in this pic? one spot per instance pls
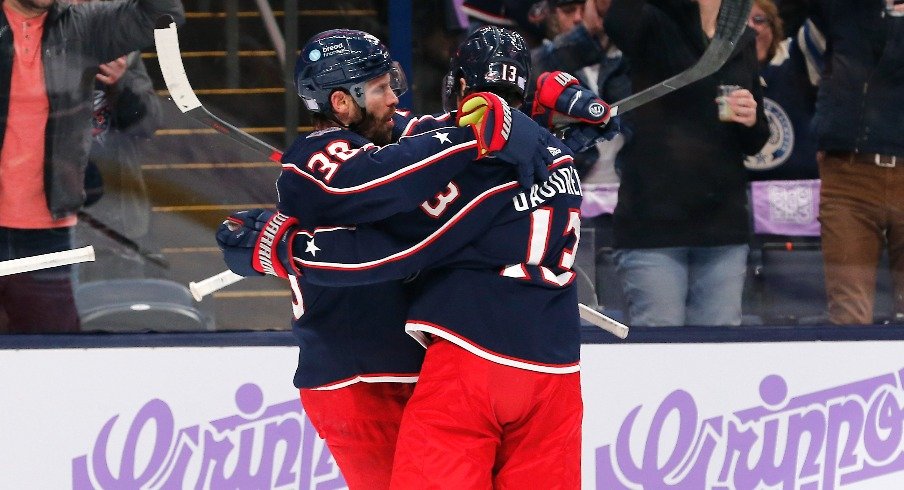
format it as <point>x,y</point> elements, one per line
<point>687,219</point>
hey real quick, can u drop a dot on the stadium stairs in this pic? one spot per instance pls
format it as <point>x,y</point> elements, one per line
<point>196,177</point>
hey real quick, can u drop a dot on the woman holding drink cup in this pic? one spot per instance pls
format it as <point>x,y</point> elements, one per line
<point>681,223</point>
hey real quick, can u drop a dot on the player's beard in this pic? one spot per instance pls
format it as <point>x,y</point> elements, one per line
<point>379,132</point>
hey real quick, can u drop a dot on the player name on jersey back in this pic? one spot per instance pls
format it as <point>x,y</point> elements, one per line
<point>561,181</point>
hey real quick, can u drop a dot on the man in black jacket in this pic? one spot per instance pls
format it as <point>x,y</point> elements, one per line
<point>50,52</point>
<point>860,130</point>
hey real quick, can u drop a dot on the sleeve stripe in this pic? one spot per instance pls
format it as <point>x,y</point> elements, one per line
<point>562,160</point>
<point>813,46</point>
<point>409,128</point>
<point>426,241</point>
<point>291,167</point>
<point>420,245</point>
<point>310,234</point>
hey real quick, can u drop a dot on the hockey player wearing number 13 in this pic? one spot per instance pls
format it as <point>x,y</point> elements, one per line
<point>356,364</point>
<point>498,402</point>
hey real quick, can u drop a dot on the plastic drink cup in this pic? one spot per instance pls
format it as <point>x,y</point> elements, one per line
<point>725,112</point>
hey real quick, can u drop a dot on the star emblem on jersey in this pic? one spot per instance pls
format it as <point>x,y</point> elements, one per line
<point>443,138</point>
<point>311,248</point>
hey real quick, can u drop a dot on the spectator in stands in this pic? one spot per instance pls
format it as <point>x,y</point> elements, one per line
<point>519,15</point>
<point>859,121</point>
<point>681,223</point>
<point>438,31</point>
<point>793,13</point>
<point>126,114</point>
<point>565,15</point>
<point>586,52</point>
<point>53,51</point>
<point>790,70</point>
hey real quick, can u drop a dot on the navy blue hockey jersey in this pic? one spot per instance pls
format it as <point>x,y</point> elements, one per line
<point>334,177</point>
<point>789,102</point>
<point>493,263</point>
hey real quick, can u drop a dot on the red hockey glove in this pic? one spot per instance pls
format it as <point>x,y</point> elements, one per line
<point>560,99</point>
<point>257,242</point>
<point>509,135</point>
<point>490,117</point>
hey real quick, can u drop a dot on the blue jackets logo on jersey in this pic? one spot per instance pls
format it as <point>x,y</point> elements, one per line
<point>781,139</point>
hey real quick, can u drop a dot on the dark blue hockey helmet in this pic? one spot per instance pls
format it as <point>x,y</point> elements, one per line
<point>493,59</point>
<point>343,59</point>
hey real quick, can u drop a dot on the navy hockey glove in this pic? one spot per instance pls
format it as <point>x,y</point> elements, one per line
<point>528,149</point>
<point>506,134</point>
<point>560,99</point>
<point>582,137</point>
<point>257,242</point>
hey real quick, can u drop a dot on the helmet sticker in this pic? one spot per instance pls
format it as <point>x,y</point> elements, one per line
<point>338,59</point>
<point>491,57</point>
<point>334,49</point>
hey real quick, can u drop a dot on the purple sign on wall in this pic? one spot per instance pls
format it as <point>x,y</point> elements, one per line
<point>276,449</point>
<point>820,440</point>
<point>785,207</point>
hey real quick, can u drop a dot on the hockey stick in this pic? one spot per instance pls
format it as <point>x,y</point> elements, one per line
<point>166,40</point>
<point>212,284</point>
<point>598,319</point>
<point>46,261</point>
<point>730,25</point>
<point>121,239</point>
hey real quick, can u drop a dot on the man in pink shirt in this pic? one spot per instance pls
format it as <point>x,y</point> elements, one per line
<point>47,48</point>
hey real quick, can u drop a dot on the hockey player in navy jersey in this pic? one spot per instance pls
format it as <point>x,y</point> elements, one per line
<point>498,402</point>
<point>356,365</point>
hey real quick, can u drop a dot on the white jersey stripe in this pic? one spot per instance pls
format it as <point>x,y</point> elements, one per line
<point>426,241</point>
<point>367,379</point>
<point>414,327</point>
<point>384,179</point>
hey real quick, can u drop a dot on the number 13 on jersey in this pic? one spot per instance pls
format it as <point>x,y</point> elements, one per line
<point>538,242</point>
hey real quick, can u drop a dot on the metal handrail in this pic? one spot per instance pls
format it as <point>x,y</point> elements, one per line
<point>276,37</point>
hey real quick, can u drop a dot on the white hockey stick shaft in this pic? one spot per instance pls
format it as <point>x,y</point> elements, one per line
<point>166,40</point>
<point>212,284</point>
<point>618,329</point>
<point>46,261</point>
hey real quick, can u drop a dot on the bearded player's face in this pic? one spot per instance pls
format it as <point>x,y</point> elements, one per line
<point>380,101</point>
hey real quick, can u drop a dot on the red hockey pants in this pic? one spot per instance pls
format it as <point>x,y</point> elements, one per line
<point>360,424</point>
<point>475,424</point>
